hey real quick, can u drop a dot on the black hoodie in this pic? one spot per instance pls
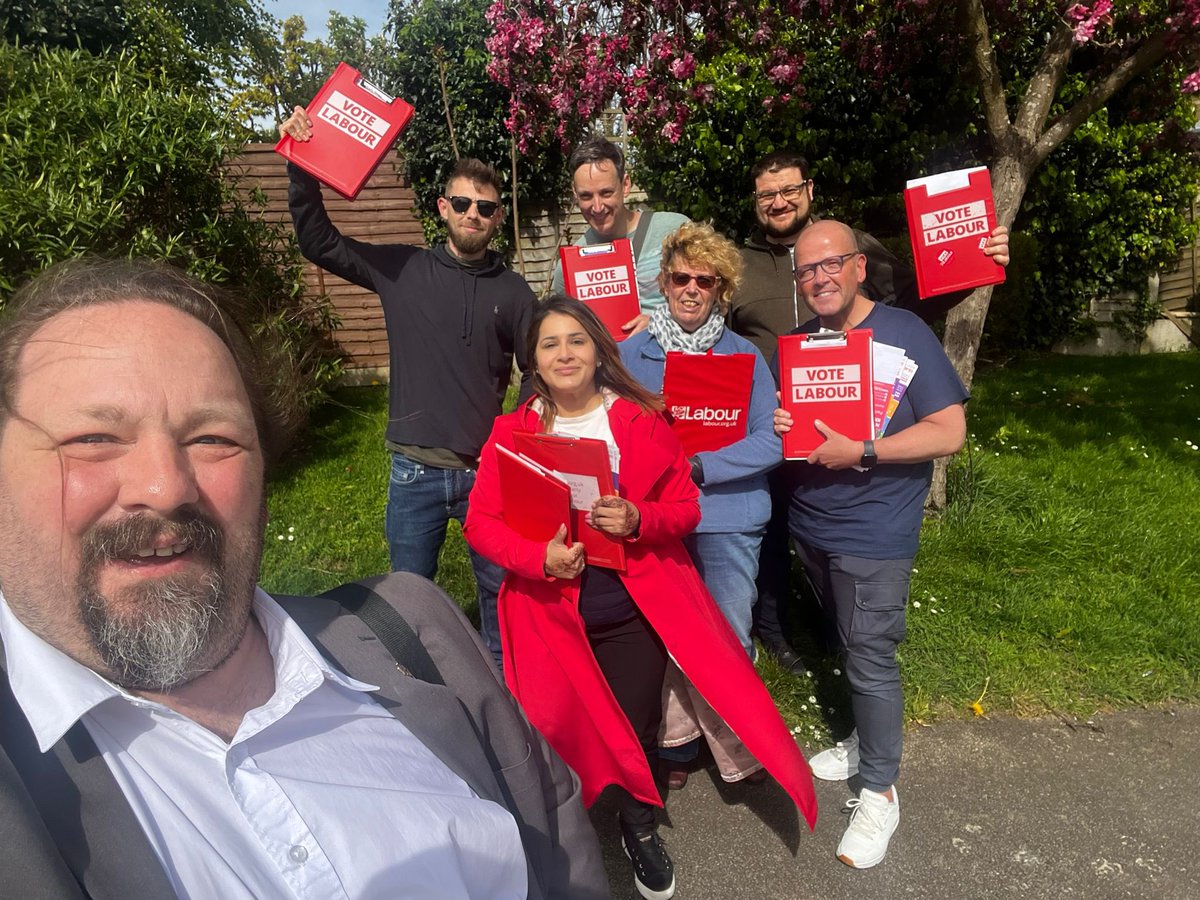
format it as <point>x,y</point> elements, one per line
<point>453,329</point>
<point>766,304</point>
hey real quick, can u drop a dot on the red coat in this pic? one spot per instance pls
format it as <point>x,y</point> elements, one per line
<point>548,662</point>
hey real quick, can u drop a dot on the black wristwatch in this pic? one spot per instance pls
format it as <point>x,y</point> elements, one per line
<point>869,459</point>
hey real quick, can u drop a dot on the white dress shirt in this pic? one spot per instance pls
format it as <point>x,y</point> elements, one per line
<point>322,793</point>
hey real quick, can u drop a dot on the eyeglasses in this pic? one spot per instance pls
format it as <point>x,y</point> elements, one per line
<point>704,282</point>
<point>487,208</point>
<point>830,266</point>
<point>791,193</point>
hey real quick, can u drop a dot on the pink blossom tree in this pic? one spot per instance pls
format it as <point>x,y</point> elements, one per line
<point>1041,67</point>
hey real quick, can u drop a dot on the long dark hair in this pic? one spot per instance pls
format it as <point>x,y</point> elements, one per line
<point>610,371</point>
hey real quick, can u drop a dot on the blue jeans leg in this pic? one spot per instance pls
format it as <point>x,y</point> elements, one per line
<point>488,575</point>
<point>421,501</point>
<point>728,563</point>
<point>417,513</point>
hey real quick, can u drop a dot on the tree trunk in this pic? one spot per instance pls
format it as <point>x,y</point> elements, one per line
<point>964,323</point>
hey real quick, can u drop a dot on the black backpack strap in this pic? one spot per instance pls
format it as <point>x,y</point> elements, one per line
<point>390,627</point>
<point>639,233</point>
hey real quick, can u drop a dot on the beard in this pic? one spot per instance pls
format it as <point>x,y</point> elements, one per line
<point>167,631</point>
<point>469,242</point>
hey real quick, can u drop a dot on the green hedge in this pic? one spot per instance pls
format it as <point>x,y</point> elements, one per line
<point>100,157</point>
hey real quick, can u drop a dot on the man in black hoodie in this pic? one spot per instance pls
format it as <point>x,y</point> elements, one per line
<point>455,319</point>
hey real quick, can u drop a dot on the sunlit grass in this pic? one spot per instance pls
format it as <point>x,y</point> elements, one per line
<point>1063,576</point>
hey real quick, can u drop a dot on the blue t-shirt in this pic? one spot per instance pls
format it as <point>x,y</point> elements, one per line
<point>877,514</point>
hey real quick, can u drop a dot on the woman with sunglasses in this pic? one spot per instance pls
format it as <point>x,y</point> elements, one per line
<point>700,271</point>
<point>586,648</point>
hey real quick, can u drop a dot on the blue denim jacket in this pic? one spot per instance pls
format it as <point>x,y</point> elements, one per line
<point>734,496</point>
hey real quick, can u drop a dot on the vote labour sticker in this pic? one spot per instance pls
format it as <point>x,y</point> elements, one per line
<point>821,384</point>
<point>353,119</point>
<point>955,222</point>
<point>593,284</point>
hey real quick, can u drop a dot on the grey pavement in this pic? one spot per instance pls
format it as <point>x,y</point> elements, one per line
<point>990,808</point>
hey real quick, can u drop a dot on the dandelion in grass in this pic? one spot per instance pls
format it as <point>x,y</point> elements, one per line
<point>917,604</point>
<point>837,671</point>
<point>279,537</point>
<point>812,699</point>
<point>977,705</point>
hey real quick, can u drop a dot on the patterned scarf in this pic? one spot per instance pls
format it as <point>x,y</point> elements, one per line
<point>671,337</point>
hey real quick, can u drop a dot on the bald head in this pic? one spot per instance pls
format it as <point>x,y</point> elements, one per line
<point>827,231</point>
<point>829,272</point>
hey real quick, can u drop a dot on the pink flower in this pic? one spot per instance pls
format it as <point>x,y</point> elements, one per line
<point>684,67</point>
<point>1191,84</point>
<point>672,131</point>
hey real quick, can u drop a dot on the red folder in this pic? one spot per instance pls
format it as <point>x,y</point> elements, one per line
<point>535,502</point>
<point>603,276</point>
<point>583,463</point>
<point>708,397</point>
<point>826,376</point>
<point>354,126</point>
<point>949,219</point>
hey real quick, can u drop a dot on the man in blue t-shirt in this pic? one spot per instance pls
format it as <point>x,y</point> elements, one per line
<point>855,516</point>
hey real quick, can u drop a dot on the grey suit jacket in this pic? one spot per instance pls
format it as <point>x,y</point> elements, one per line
<point>67,831</point>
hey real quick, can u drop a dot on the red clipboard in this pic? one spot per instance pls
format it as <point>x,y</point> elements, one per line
<point>708,397</point>
<point>584,464</point>
<point>826,376</point>
<point>534,501</point>
<point>950,217</point>
<point>605,278</point>
<point>354,125</point>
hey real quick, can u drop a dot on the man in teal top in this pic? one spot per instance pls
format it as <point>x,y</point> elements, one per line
<point>601,186</point>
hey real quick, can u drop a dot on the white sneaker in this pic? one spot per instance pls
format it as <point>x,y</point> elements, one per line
<point>873,821</point>
<point>839,762</point>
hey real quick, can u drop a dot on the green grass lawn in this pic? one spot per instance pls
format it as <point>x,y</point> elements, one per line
<point>1063,576</point>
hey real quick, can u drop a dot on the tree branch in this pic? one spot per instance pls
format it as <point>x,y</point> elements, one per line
<point>1149,54</point>
<point>983,60</point>
<point>1044,85</point>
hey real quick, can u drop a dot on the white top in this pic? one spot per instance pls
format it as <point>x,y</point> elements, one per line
<point>322,793</point>
<point>593,424</point>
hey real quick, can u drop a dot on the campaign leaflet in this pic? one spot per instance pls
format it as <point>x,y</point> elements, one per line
<point>708,398</point>
<point>950,217</point>
<point>603,276</point>
<point>826,376</point>
<point>354,125</point>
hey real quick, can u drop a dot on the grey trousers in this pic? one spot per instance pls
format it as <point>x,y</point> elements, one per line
<point>864,602</point>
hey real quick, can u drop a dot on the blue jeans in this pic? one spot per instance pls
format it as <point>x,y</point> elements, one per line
<point>728,563</point>
<point>421,501</point>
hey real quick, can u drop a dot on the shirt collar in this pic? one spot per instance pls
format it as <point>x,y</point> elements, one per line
<point>55,691</point>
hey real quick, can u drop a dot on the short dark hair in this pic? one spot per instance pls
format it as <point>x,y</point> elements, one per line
<point>779,159</point>
<point>91,281</point>
<point>476,171</point>
<point>594,150</point>
<point>611,372</point>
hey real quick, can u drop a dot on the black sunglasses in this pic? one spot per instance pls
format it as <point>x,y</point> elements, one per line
<point>704,282</point>
<point>487,208</point>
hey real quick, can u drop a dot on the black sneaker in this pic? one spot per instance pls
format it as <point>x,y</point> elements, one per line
<point>653,871</point>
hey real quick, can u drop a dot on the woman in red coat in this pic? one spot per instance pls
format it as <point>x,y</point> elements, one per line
<point>585,648</point>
